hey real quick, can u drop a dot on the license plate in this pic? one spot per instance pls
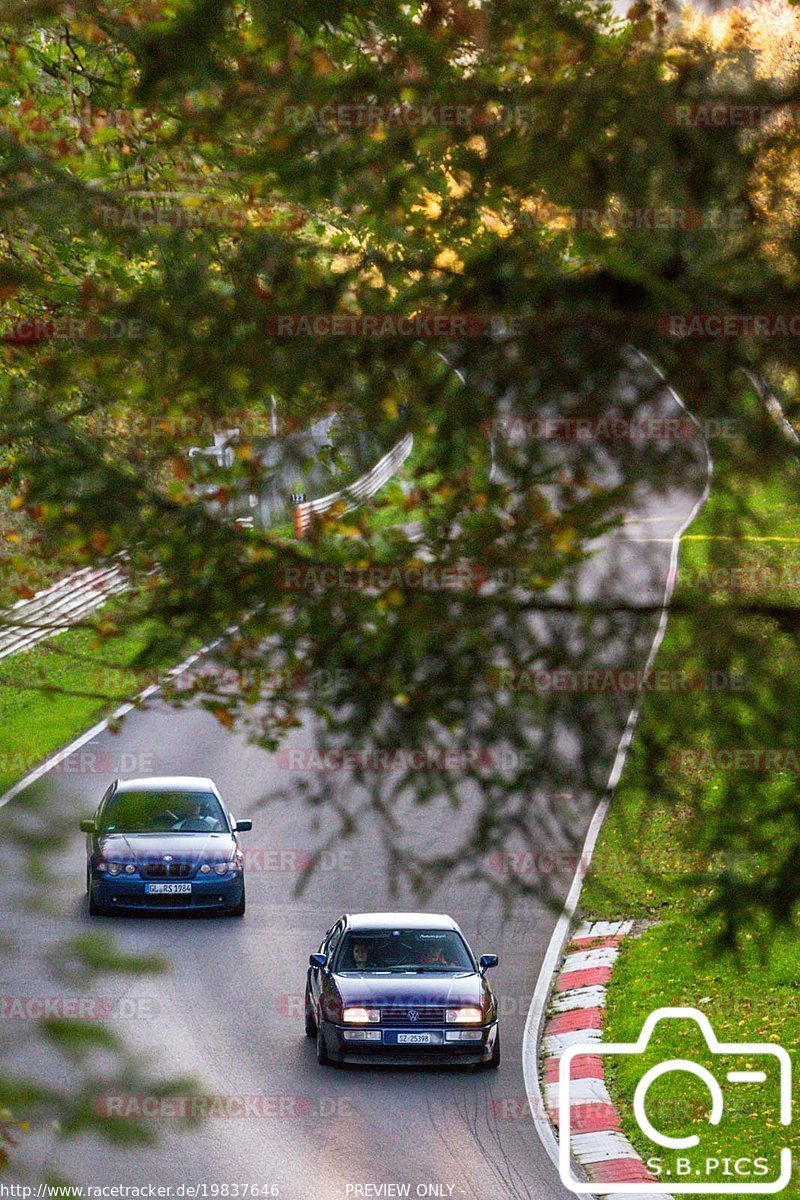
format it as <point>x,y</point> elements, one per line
<point>168,889</point>
<point>413,1037</point>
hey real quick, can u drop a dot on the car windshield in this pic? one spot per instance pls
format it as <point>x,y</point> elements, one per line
<point>400,950</point>
<point>163,812</point>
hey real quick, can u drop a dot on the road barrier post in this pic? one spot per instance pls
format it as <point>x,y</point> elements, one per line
<point>298,498</point>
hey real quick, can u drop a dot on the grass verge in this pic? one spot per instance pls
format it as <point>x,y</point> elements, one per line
<point>702,826</point>
<point>52,692</point>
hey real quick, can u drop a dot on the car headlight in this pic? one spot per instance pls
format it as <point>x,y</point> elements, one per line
<point>222,868</point>
<point>130,868</point>
<point>205,869</point>
<point>361,1016</point>
<point>464,1016</point>
<point>113,868</point>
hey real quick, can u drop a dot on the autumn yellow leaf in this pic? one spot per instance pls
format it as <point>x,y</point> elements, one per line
<point>564,539</point>
<point>223,715</point>
<point>448,260</point>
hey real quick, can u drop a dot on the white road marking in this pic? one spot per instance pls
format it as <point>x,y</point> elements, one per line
<point>538,1009</point>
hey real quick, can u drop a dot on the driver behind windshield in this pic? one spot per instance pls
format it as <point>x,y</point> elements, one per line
<point>405,950</point>
<point>361,956</point>
<point>434,956</point>
<point>200,817</point>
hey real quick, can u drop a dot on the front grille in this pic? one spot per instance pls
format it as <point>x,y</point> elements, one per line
<point>162,870</point>
<point>182,901</point>
<point>169,901</point>
<point>398,1015</point>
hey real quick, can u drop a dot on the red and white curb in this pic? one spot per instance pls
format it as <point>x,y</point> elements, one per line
<point>576,1017</point>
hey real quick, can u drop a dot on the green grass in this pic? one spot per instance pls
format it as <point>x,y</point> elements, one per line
<point>749,1000</point>
<point>663,850</point>
<point>51,693</point>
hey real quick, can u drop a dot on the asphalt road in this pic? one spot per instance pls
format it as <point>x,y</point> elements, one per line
<point>228,1012</point>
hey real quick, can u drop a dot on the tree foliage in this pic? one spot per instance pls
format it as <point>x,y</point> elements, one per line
<point>178,177</point>
<point>188,174</point>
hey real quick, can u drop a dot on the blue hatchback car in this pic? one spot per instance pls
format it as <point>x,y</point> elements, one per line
<point>164,843</point>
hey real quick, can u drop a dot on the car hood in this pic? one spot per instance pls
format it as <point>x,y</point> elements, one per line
<point>430,989</point>
<point>193,848</point>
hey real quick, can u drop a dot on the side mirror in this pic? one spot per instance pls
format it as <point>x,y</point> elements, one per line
<point>317,960</point>
<point>486,961</point>
<point>243,826</point>
<point>87,826</point>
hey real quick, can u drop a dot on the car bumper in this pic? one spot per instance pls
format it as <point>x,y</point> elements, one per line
<point>122,893</point>
<point>345,1045</point>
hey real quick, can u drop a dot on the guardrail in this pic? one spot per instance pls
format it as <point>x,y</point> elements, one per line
<point>362,489</point>
<point>57,607</point>
<point>60,605</point>
<point>774,408</point>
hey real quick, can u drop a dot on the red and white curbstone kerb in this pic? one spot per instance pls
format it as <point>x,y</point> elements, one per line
<point>576,1016</point>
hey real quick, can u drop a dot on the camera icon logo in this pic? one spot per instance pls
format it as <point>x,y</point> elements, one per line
<point>673,1168</point>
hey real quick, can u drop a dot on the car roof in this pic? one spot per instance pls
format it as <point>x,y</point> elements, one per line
<point>167,783</point>
<point>409,920</point>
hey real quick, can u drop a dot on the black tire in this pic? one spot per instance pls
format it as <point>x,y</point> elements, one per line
<point>492,1063</point>
<point>96,910</point>
<point>322,1050</point>
<point>238,910</point>
<point>311,1023</point>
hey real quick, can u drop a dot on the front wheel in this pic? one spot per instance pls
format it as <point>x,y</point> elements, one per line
<point>96,910</point>
<point>322,1049</point>
<point>311,1024</point>
<point>492,1063</point>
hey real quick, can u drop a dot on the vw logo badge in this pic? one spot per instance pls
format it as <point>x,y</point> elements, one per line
<point>413,1015</point>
